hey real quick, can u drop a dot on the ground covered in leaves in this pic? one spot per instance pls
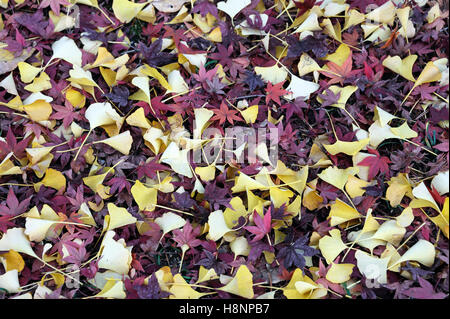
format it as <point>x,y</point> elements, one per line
<point>102,104</point>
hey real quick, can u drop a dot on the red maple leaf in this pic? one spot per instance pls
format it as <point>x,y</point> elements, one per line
<point>376,163</point>
<point>337,73</point>
<point>225,114</point>
<point>65,113</point>
<point>263,226</point>
<point>274,92</point>
<point>149,169</point>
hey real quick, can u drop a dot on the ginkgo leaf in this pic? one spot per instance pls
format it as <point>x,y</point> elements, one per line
<point>336,176</point>
<point>250,114</point>
<point>310,24</point>
<point>66,49</point>
<point>332,246</point>
<point>391,232</point>
<point>423,252</point>
<point>177,159</point>
<point>125,10</point>
<point>273,74</point>
<point>217,225</point>
<point>372,267</point>
<point>145,197</point>
<point>383,14</point>
<point>240,247</point>
<point>170,221</point>
<point>232,7</point>
<point>114,255</point>
<point>100,114</point>
<point>441,182</point>
<point>113,289</point>
<point>53,178</point>
<point>27,72</point>
<point>302,287</point>
<point>401,66</point>
<point>118,217</point>
<point>300,88</point>
<point>15,239</point>
<point>340,213</point>
<point>9,281</point>
<point>242,283</point>
<point>36,229</point>
<point>121,142</point>
<point>349,148</point>
<point>12,260</point>
<point>339,273</point>
<point>39,110</point>
<point>180,289</point>
<point>137,118</point>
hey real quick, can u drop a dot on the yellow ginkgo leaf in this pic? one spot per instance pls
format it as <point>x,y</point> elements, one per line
<point>391,232</point>
<point>341,212</point>
<point>114,255</point>
<point>242,283</point>
<point>202,116</point>
<point>441,182</point>
<point>206,173</point>
<point>36,229</point>
<point>405,218</point>
<point>441,220</point>
<point>121,142</point>
<point>273,74</point>
<point>336,176</point>
<point>339,273</point>
<point>206,274</point>
<point>240,247</point>
<point>66,49</point>
<point>102,114</point>
<point>145,197</point>
<point>401,66</point>
<point>383,14</point>
<point>113,289</point>
<point>399,186</point>
<point>300,88</point>
<point>232,7</point>
<point>40,83</point>
<point>9,281</point>
<point>12,260</point>
<point>333,31</point>
<point>15,239</point>
<point>27,72</point>
<point>103,56</point>
<point>302,287</point>
<point>148,70</point>
<point>180,289</point>
<point>250,114</point>
<point>118,217</point>
<point>310,24</point>
<point>349,148</point>
<point>345,93</point>
<point>39,110</point>
<point>430,73</point>
<point>355,186</point>
<point>372,267</point>
<point>169,221</point>
<point>137,118</point>
<point>125,10</point>
<point>423,252</point>
<point>75,98</point>
<point>353,17</point>
<point>177,159</point>
<point>54,179</point>
<point>7,167</point>
<point>217,226</point>
<point>332,246</point>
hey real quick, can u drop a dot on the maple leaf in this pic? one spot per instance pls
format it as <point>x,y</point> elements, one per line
<point>66,114</point>
<point>426,291</point>
<point>263,225</point>
<point>294,254</point>
<point>376,163</point>
<point>183,200</point>
<point>253,80</point>
<point>119,95</point>
<point>153,55</point>
<point>314,44</point>
<point>149,169</point>
<point>295,108</point>
<point>338,73</point>
<point>187,236</point>
<point>11,145</point>
<point>54,5</point>
<point>13,207</point>
<point>204,7</point>
<point>225,114</point>
<point>152,290</point>
<point>118,184</point>
<point>274,92</point>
